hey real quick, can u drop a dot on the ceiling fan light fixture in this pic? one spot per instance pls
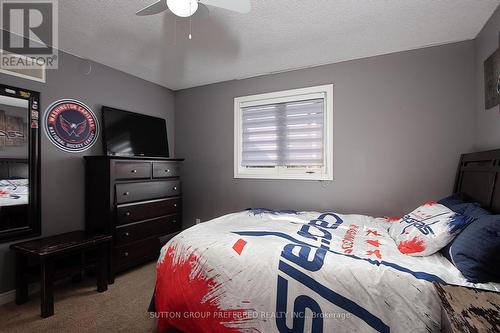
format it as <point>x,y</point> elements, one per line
<point>183,8</point>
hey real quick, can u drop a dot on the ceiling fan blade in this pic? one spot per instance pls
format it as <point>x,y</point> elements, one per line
<point>240,6</point>
<point>155,8</point>
<point>202,10</point>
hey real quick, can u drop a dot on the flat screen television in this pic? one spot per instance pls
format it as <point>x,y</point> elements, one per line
<point>132,134</point>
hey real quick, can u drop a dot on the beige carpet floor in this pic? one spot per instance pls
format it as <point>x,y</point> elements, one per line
<point>80,308</point>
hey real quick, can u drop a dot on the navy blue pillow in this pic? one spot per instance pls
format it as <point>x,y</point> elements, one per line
<point>458,205</point>
<point>476,250</point>
<point>476,211</point>
<point>454,199</point>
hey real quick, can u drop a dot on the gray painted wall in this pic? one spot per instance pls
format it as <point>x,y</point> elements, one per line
<point>488,121</point>
<point>400,123</point>
<point>63,173</point>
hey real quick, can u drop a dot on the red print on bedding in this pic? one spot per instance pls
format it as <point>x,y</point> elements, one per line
<point>188,300</point>
<point>415,245</point>
<point>393,219</point>
<point>375,243</point>
<point>374,252</point>
<point>372,232</point>
<point>239,245</point>
<point>348,240</point>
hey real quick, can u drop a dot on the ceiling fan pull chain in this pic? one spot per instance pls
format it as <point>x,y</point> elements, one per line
<point>190,29</point>
<point>175,30</point>
<point>190,21</point>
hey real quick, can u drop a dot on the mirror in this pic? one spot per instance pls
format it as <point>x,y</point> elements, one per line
<point>19,163</point>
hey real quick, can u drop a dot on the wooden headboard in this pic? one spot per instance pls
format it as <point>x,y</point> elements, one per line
<point>478,179</point>
<point>13,168</point>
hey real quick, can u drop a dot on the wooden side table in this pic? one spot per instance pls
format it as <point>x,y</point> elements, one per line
<point>468,310</point>
<point>46,251</point>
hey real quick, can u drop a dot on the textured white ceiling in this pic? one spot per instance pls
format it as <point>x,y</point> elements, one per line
<point>276,35</point>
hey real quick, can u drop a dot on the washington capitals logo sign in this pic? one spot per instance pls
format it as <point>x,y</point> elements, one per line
<point>71,125</point>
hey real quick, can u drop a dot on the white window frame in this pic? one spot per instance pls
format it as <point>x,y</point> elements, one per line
<point>325,173</point>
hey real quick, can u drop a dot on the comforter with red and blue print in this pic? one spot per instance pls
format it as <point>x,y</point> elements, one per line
<point>268,271</point>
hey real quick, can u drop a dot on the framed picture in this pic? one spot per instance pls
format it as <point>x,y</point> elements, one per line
<point>491,80</point>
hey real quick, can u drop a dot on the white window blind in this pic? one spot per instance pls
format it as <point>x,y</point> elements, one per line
<point>289,134</point>
<point>285,134</point>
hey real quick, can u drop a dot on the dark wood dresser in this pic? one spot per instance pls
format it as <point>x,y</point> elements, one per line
<point>134,200</point>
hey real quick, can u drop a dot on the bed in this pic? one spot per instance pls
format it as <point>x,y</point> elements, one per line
<point>283,271</point>
<point>14,183</point>
<point>13,192</point>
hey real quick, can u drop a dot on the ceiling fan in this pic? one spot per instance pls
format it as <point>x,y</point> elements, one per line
<point>186,8</point>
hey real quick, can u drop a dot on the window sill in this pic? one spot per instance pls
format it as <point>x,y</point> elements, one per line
<point>319,177</point>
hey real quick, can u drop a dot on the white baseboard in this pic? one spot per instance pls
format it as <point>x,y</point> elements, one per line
<point>10,296</point>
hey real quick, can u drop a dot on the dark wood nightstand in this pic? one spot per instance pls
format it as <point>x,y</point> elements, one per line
<point>468,310</point>
<point>49,251</point>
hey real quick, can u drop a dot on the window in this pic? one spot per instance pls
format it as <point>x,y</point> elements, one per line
<point>285,135</point>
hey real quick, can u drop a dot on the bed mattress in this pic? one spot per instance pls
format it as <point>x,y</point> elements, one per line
<point>268,271</point>
<point>13,192</point>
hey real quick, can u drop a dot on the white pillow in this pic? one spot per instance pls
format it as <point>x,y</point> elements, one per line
<point>427,229</point>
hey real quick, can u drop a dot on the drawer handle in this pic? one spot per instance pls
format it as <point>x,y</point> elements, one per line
<point>127,214</point>
<point>167,171</point>
<point>134,171</point>
<point>175,205</point>
<point>174,221</point>
<point>127,234</point>
<point>125,254</point>
<point>175,188</point>
<point>126,193</point>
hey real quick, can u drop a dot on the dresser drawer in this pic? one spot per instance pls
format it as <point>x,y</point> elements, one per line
<point>136,253</point>
<point>141,230</point>
<point>165,169</point>
<point>147,191</point>
<point>142,211</point>
<point>132,170</point>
